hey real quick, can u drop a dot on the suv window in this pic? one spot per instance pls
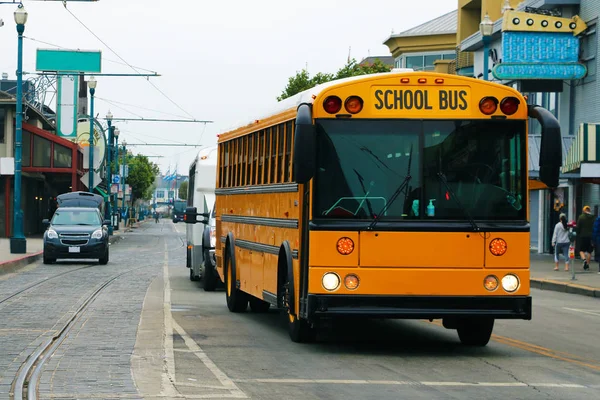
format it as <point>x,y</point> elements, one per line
<point>76,217</point>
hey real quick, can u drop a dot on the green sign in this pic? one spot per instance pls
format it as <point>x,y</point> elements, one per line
<point>68,61</point>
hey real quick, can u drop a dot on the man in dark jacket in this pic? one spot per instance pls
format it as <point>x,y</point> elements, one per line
<point>585,226</point>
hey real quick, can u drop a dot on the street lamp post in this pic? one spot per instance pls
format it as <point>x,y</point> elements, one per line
<point>123,177</point>
<point>18,243</point>
<point>108,214</point>
<point>486,28</point>
<point>116,133</point>
<point>92,84</point>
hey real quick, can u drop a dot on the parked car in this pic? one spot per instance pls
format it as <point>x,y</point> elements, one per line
<point>76,232</point>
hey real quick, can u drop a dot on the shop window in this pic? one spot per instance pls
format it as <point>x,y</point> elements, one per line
<point>26,149</point>
<point>62,156</point>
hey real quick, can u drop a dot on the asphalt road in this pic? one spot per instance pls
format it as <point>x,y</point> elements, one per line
<point>556,355</point>
<point>152,333</point>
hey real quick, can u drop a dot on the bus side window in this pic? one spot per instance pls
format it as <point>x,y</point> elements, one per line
<point>287,172</point>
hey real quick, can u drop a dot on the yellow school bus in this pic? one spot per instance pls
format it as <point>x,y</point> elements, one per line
<point>394,195</point>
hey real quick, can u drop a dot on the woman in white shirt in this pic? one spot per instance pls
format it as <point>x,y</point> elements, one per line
<point>561,242</point>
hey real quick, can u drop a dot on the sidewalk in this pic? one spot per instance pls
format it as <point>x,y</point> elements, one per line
<point>11,262</point>
<point>544,277</point>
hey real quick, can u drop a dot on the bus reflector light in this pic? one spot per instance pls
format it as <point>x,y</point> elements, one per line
<point>510,283</point>
<point>345,246</point>
<point>490,282</point>
<point>509,105</point>
<point>332,104</point>
<point>498,247</point>
<point>351,282</point>
<point>488,105</point>
<point>353,104</point>
<point>439,80</point>
<point>422,80</point>
<point>331,281</point>
<point>405,80</point>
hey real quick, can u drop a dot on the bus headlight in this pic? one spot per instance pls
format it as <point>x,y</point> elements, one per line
<point>510,283</point>
<point>331,281</point>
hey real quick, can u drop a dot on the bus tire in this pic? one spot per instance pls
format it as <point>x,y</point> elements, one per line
<point>210,277</point>
<point>476,331</point>
<point>237,301</point>
<point>259,306</point>
<point>300,330</point>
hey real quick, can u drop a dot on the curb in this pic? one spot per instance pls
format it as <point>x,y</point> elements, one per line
<point>571,288</point>
<point>13,265</point>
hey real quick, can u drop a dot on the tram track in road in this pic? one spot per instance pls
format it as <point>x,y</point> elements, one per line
<point>25,384</point>
<point>42,281</point>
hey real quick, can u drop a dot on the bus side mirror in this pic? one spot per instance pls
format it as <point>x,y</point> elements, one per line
<point>190,216</point>
<point>305,146</point>
<point>551,146</point>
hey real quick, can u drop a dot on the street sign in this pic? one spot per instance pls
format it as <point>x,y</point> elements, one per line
<point>114,188</point>
<point>68,60</point>
<point>86,180</point>
<point>116,179</point>
<point>126,173</point>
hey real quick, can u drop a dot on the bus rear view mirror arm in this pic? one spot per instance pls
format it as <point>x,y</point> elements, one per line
<point>191,216</point>
<point>551,146</point>
<point>305,145</point>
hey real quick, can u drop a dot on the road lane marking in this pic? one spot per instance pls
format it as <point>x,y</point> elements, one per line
<point>170,325</point>
<point>579,310</point>
<point>557,355</point>
<point>410,383</point>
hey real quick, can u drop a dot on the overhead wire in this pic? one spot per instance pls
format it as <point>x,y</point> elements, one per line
<point>143,108</point>
<point>129,65</point>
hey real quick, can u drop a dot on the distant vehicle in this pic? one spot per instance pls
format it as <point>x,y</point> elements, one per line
<point>201,240</point>
<point>76,232</point>
<point>81,199</point>
<point>179,210</point>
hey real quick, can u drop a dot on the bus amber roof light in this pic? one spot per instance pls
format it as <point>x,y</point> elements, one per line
<point>345,246</point>
<point>439,80</point>
<point>509,105</point>
<point>332,104</point>
<point>498,247</point>
<point>353,104</point>
<point>405,80</point>
<point>488,105</point>
<point>422,80</point>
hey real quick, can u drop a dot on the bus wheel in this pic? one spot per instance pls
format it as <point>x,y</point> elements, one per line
<point>299,330</point>
<point>475,332</point>
<point>258,305</point>
<point>237,301</point>
<point>210,277</point>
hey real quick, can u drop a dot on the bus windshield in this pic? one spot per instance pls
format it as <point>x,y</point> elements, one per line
<point>413,169</point>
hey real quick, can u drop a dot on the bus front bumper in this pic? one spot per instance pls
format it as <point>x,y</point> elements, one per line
<point>419,307</point>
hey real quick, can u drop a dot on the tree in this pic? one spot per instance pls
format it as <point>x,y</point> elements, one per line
<point>183,190</point>
<point>302,80</point>
<point>142,174</point>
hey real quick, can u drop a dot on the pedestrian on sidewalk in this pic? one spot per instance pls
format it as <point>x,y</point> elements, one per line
<point>561,242</point>
<point>585,226</point>
<point>596,239</point>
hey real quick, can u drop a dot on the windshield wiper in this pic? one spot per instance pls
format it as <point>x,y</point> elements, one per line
<point>395,195</point>
<point>362,184</point>
<point>443,179</point>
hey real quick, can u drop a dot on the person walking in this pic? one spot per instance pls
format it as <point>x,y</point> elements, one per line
<point>596,239</point>
<point>561,242</point>
<point>585,225</point>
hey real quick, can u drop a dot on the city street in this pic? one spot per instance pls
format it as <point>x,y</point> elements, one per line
<point>139,328</point>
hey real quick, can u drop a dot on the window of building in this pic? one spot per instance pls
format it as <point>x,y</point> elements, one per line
<point>589,50</point>
<point>62,156</point>
<point>423,61</point>
<point>41,152</point>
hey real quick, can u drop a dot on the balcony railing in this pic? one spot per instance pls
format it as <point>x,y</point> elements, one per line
<point>464,59</point>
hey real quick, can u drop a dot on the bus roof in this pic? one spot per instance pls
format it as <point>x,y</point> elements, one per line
<point>307,96</point>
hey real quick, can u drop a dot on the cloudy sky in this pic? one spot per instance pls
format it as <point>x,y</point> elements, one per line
<point>222,61</point>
